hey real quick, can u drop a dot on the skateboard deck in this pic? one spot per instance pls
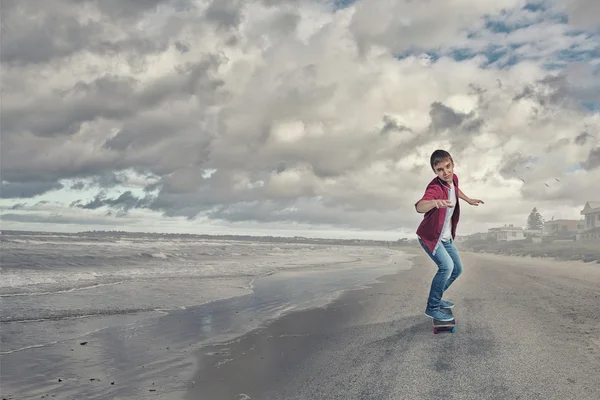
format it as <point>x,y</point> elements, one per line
<point>439,326</point>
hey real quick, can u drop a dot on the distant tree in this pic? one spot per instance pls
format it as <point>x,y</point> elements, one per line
<point>535,221</point>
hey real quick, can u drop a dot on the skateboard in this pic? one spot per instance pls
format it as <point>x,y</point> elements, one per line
<point>444,325</point>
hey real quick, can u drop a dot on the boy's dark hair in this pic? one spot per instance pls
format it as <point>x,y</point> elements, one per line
<point>438,156</point>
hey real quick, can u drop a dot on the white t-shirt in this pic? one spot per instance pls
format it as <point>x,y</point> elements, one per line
<point>447,233</point>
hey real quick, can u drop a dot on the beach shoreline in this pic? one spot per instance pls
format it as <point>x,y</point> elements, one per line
<point>141,354</point>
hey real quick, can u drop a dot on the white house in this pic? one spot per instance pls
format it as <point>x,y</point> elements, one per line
<point>591,211</point>
<point>563,227</point>
<point>506,233</point>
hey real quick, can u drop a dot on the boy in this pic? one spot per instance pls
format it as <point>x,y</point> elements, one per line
<point>438,229</point>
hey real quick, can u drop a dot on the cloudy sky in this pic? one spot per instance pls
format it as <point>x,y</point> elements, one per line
<point>285,117</point>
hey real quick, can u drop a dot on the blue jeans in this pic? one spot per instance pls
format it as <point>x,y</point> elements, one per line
<point>449,268</point>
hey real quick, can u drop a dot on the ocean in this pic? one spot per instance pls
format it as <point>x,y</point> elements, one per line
<point>109,315</point>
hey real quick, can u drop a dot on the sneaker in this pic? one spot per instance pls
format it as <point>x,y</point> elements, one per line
<point>446,304</point>
<point>438,314</point>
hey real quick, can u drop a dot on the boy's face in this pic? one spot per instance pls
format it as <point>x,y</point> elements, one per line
<point>444,170</point>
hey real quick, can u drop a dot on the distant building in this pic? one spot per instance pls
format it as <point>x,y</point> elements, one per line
<point>563,227</point>
<point>506,233</point>
<point>591,231</point>
<point>475,236</point>
<point>536,233</point>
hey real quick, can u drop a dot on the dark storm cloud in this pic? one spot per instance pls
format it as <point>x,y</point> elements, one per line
<point>182,47</point>
<point>461,127</point>
<point>121,141</point>
<point>186,193</point>
<point>513,165</point>
<point>526,93</point>
<point>125,202</point>
<point>391,125</point>
<point>561,143</point>
<point>38,31</point>
<point>444,117</point>
<point>78,186</point>
<point>582,138</point>
<point>593,160</point>
<point>109,97</point>
<point>27,189</point>
<point>578,82</point>
<point>548,91</point>
<point>574,87</point>
<point>106,97</point>
<point>92,205</point>
<point>584,13</point>
<point>286,23</point>
<point>226,13</point>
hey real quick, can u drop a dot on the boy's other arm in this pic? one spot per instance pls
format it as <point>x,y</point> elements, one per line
<point>473,202</point>
<point>463,196</point>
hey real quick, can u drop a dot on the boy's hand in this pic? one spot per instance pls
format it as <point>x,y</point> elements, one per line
<point>442,203</point>
<point>475,202</point>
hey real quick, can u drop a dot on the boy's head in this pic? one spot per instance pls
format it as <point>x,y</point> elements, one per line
<point>443,165</point>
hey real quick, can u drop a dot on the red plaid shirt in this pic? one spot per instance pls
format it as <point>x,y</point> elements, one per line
<point>431,226</point>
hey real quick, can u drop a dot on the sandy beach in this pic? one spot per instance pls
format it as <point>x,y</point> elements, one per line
<point>527,329</point>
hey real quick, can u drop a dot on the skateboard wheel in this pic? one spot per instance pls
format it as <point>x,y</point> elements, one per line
<point>435,331</point>
<point>453,329</point>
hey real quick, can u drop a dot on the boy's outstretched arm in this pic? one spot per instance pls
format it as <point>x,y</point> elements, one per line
<point>473,202</point>
<point>425,205</point>
<point>431,200</point>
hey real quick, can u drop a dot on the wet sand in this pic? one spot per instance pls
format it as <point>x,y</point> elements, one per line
<point>527,329</point>
<point>151,354</point>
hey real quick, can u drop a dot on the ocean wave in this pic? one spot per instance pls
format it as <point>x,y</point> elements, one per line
<point>34,269</point>
<point>61,291</point>
<point>154,255</point>
<point>55,284</point>
<point>75,314</point>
